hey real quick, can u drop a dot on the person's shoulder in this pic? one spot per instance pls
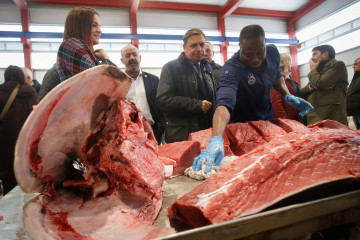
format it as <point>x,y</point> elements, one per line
<point>73,44</point>
<point>147,74</point>
<point>271,50</point>
<point>216,65</point>
<point>339,63</point>
<point>172,63</point>
<point>273,54</point>
<point>234,61</point>
<point>26,90</point>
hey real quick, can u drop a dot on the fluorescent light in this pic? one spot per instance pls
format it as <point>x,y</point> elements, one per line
<point>11,27</point>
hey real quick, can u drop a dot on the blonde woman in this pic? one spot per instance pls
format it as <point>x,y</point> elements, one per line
<point>281,108</point>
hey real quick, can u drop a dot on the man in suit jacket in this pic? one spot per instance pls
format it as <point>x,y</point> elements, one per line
<point>326,89</point>
<point>187,90</point>
<point>143,89</point>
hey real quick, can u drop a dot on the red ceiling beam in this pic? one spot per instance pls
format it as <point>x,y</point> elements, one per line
<point>306,9</point>
<point>93,3</point>
<point>229,7</point>
<point>263,13</point>
<point>22,4</point>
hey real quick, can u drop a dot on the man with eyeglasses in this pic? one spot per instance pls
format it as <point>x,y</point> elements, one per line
<point>244,91</point>
<point>187,90</point>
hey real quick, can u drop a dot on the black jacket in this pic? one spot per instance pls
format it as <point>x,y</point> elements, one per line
<point>151,83</point>
<point>51,80</point>
<point>179,98</point>
<point>353,96</point>
<point>11,125</point>
<point>217,70</point>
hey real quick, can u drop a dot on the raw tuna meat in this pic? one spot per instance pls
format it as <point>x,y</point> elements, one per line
<point>290,125</point>
<point>267,129</point>
<point>182,154</point>
<point>204,136</point>
<point>93,158</point>
<point>272,172</point>
<point>329,124</point>
<point>243,138</point>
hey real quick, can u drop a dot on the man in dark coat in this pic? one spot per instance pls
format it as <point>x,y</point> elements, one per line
<point>187,90</point>
<point>13,121</point>
<point>209,54</point>
<point>143,89</point>
<point>353,95</point>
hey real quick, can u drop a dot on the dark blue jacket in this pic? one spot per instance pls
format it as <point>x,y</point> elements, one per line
<point>246,91</point>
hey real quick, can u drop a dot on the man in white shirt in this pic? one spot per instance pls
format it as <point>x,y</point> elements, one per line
<point>143,89</point>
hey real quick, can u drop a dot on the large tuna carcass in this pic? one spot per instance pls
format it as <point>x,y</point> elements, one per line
<point>93,158</point>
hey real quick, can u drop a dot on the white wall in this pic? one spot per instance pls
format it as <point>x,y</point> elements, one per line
<point>322,11</point>
<point>236,23</point>
<point>9,13</point>
<point>182,20</point>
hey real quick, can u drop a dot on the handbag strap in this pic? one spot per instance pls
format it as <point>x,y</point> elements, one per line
<point>9,102</point>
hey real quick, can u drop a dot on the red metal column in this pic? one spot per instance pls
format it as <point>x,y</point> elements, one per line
<point>223,45</point>
<point>227,10</point>
<point>25,22</point>
<point>295,74</point>
<point>291,32</point>
<point>133,21</point>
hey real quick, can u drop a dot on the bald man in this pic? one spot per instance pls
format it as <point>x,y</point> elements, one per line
<point>29,79</point>
<point>143,89</point>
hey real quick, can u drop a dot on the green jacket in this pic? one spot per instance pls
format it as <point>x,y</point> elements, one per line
<point>353,96</point>
<point>326,91</point>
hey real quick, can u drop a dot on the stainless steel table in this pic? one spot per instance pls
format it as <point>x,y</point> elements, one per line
<point>282,223</point>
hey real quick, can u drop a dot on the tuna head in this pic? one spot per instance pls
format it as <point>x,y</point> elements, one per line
<point>91,155</point>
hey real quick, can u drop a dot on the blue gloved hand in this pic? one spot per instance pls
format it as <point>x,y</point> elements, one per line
<point>213,153</point>
<point>299,103</point>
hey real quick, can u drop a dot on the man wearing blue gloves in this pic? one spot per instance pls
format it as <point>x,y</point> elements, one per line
<point>244,91</point>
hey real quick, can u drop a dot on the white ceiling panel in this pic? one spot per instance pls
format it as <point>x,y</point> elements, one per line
<point>207,2</point>
<point>279,5</point>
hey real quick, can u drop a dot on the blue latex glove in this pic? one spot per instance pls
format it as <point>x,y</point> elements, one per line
<point>299,103</point>
<point>213,153</point>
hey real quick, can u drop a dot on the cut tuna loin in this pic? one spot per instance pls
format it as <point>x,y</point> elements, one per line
<point>243,138</point>
<point>93,157</point>
<point>329,124</point>
<point>182,155</point>
<point>267,129</point>
<point>204,136</point>
<point>272,172</point>
<point>290,125</point>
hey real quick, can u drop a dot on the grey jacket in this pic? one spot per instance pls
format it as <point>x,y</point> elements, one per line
<point>178,97</point>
